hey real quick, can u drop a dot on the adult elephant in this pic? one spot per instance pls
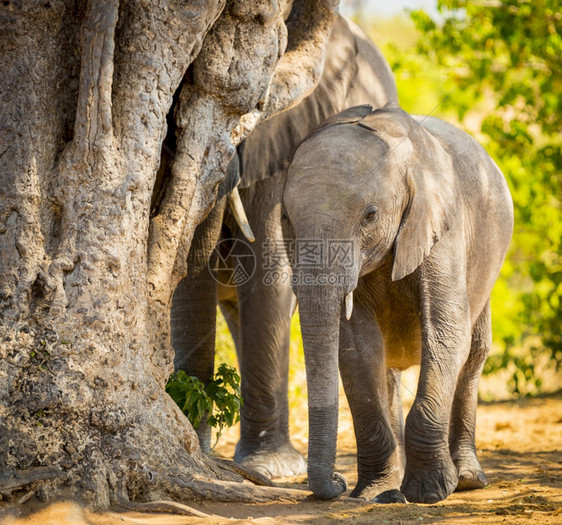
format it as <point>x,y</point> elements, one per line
<point>258,310</point>
<point>414,220</point>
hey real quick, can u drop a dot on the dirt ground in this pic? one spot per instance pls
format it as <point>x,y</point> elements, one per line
<point>520,447</point>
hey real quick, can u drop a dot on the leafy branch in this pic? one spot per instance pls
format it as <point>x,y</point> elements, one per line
<point>198,401</point>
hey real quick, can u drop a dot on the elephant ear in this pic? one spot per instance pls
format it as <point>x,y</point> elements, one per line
<point>430,180</point>
<point>432,202</point>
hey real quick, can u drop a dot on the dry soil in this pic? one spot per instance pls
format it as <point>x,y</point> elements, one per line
<point>520,446</point>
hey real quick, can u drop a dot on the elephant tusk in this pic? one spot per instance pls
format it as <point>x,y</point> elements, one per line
<point>293,305</point>
<point>348,305</point>
<point>240,215</point>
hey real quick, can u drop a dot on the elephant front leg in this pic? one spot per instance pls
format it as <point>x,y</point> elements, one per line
<point>263,355</point>
<point>364,376</point>
<point>430,474</point>
<point>463,416</point>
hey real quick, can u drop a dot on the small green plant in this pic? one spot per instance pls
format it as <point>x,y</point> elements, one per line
<point>197,400</point>
<point>39,415</point>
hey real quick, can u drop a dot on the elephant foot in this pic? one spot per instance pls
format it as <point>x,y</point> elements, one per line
<point>471,475</point>
<point>390,496</point>
<point>470,472</point>
<point>277,463</point>
<point>470,480</point>
<point>382,489</point>
<point>429,485</point>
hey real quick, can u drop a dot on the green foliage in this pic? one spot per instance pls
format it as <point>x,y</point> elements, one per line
<point>505,61</point>
<point>422,84</point>
<point>224,391</point>
<point>197,400</point>
<point>189,394</point>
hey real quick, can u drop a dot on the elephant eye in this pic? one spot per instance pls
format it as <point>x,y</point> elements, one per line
<point>369,214</point>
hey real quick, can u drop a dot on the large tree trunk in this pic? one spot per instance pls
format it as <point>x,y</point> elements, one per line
<point>86,271</point>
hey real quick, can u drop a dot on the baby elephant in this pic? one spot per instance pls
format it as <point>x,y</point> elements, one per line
<point>401,224</point>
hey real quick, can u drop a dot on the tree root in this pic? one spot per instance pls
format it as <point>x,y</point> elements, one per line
<point>163,507</point>
<point>230,491</point>
<point>11,481</point>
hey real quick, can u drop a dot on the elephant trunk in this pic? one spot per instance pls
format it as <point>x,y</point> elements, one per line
<point>319,310</point>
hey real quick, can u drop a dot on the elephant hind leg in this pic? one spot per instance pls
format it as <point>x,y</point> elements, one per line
<point>463,415</point>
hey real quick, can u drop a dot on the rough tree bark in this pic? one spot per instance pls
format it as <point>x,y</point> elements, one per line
<point>86,272</point>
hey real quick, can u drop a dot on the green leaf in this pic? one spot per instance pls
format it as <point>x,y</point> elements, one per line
<point>197,400</point>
